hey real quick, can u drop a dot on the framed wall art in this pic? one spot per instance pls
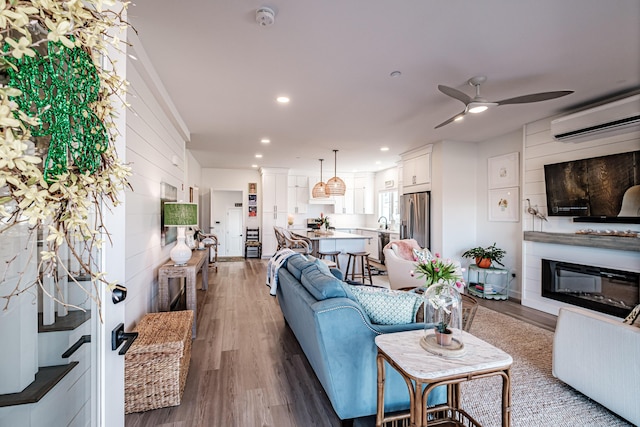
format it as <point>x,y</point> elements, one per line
<point>504,171</point>
<point>503,204</point>
<point>168,193</point>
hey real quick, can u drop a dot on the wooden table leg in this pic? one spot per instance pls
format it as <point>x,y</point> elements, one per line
<point>381,378</point>
<point>205,272</point>
<point>506,398</point>
<point>192,301</point>
<point>163,293</point>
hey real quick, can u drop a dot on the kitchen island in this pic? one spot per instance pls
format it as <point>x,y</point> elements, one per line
<point>338,241</point>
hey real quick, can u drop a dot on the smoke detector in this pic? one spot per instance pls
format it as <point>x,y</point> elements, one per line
<point>265,17</point>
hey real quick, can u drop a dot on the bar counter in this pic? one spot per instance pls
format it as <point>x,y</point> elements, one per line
<point>338,241</point>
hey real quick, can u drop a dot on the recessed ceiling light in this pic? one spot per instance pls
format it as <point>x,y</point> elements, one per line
<point>258,156</point>
<point>283,99</point>
<point>384,148</point>
<point>378,162</point>
<point>265,140</point>
<point>254,166</point>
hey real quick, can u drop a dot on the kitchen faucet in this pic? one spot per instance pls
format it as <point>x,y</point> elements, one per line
<point>386,222</point>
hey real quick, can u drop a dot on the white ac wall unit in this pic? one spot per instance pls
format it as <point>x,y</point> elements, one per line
<point>604,120</point>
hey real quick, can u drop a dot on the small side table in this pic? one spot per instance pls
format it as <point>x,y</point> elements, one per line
<point>488,283</point>
<point>420,368</point>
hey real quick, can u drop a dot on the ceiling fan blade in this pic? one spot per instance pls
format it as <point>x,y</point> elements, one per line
<point>446,122</point>
<point>455,93</point>
<point>535,97</point>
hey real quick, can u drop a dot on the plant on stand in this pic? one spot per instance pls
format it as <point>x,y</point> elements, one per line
<point>484,257</point>
<point>442,301</point>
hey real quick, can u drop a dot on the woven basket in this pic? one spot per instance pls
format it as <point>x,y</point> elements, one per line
<point>157,364</point>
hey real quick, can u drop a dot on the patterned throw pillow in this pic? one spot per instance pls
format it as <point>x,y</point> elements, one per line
<point>422,255</point>
<point>385,306</point>
<point>634,317</point>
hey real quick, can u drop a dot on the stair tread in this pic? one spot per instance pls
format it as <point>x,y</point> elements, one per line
<point>46,378</point>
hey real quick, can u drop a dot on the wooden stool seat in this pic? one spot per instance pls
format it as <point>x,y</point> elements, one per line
<point>364,260</point>
<point>331,255</point>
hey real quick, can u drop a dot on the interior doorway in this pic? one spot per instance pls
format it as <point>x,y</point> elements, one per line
<point>227,221</point>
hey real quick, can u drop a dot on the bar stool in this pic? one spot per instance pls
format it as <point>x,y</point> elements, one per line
<point>364,259</point>
<point>331,255</point>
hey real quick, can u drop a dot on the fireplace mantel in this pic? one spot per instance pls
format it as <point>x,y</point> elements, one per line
<point>593,241</point>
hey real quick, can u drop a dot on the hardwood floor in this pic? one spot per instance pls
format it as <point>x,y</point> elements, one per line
<point>247,368</point>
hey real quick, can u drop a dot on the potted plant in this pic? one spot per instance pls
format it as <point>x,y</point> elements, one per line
<point>484,257</point>
<point>444,335</point>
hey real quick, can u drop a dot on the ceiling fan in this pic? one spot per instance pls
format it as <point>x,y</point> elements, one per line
<point>479,104</point>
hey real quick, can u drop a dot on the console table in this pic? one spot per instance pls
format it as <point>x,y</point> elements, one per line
<point>199,261</point>
<point>423,371</point>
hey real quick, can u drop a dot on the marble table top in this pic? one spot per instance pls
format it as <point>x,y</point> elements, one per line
<point>405,350</point>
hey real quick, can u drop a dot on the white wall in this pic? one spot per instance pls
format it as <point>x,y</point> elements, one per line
<point>539,149</point>
<point>154,144</point>
<point>453,198</point>
<point>506,235</point>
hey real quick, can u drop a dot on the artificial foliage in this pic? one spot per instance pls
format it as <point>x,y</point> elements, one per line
<point>59,96</point>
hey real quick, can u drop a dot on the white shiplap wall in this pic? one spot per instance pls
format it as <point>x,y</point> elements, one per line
<point>539,149</point>
<point>154,144</point>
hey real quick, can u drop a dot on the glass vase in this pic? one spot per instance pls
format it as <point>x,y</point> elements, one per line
<point>443,316</point>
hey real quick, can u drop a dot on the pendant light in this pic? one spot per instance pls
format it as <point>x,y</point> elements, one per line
<point>335,186</point>
<point>320,189</point>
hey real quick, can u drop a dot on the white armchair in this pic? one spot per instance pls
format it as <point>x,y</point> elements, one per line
<point>399,266</point>
<point>400,263</point>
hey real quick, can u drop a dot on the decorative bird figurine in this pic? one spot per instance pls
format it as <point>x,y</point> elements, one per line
<point>535,212</point>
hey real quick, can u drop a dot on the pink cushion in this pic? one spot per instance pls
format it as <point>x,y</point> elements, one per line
<point>404,248</point>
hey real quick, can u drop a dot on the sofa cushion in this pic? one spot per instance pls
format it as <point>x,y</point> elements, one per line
<point>320,284</point>
<point>386,306</point>
<point>297,263</point>
<point>422,255</point>
<point>634,317</point>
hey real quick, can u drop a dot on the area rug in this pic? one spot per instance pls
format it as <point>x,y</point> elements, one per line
<point>537,398</point>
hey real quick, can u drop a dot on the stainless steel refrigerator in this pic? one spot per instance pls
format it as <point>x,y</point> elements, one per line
<point>414,218</point>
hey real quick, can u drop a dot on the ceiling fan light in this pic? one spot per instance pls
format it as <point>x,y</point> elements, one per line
<point>478,109</point>
<point>459,118</point>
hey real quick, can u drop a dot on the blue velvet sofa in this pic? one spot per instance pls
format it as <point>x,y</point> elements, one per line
<point>337,338</point>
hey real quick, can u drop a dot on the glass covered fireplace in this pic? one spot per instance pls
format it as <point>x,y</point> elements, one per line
<point>605,290</point>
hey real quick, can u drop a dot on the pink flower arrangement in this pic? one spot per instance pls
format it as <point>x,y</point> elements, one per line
<point>438,270</point>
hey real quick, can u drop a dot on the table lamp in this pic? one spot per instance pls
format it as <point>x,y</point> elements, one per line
<point>181,215</point>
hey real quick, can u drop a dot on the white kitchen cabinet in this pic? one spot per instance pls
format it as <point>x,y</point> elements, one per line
<point>371,245</point>
<point>345,204</point>
<point>363,187</point>
<point>274,207</point>
<point>298,194</point>
<point>416,170</point>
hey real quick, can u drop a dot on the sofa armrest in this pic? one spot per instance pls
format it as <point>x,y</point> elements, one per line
<point>598,356</point>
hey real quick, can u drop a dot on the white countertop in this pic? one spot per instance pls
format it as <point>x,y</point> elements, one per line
<point>378,230</point>
<point>337,235</point>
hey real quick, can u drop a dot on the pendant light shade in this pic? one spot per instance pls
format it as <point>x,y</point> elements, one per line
<point>320,189</point>
<point>335,186</point>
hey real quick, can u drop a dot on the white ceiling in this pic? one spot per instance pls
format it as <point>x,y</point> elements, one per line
<point>333,58</point>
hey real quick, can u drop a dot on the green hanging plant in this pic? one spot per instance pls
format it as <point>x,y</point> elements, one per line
<point>58,164</point>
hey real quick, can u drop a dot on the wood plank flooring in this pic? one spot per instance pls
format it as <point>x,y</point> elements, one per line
<point>247,368</point>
